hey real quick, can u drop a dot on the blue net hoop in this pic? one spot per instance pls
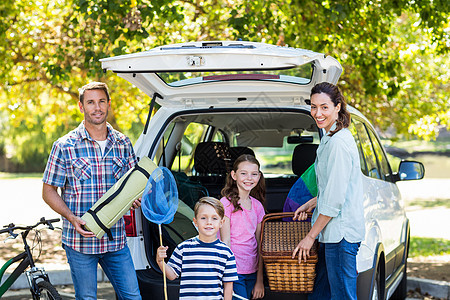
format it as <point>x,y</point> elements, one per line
<point>159,201</point>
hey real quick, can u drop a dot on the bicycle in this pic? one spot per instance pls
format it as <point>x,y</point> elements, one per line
<point>38,279</point>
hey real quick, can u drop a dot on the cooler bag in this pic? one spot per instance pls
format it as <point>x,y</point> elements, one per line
<point>118,199</point>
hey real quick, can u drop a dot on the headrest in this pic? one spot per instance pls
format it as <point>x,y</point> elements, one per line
<point>303,157</point>
<point>238,151</point>
<point>212,158</point>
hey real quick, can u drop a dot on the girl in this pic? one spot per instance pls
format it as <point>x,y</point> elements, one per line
<point>243,198</point>
<point>338,220</point>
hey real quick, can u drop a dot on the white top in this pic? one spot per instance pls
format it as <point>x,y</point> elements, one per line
<point>340,188</point>
<point>102,145</point>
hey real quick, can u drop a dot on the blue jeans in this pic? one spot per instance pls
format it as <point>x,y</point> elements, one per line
<point>336,272</point>
<point>244,285</point>
<point>118,266</point>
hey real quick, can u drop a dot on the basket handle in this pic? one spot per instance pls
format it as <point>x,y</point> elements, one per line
<point>278,215</point>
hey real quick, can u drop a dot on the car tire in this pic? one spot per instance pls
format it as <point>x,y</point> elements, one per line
<point>402,289</point>
<point>378,286</point>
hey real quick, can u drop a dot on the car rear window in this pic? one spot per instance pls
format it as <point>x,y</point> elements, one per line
<point>298,75</point>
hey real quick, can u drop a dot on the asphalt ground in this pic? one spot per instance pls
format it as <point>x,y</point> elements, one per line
<point>22,204</point>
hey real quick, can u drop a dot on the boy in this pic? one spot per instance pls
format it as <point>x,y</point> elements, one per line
<point>206,265</point>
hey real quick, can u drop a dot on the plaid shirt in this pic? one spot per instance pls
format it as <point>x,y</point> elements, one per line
<point>77,166</point>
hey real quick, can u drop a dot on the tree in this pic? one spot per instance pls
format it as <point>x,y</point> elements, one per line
<point>51,48</point>
<point>378,43</point>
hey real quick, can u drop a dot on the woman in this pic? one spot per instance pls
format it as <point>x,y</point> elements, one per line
<point>338,220</point>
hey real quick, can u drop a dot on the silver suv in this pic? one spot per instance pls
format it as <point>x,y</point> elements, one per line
<point>222,99</point>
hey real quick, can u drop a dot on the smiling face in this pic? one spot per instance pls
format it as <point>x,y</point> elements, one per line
<point>95,106</point>
<point>246,176</point>
<point>324,111</point>
<point>208,223</point>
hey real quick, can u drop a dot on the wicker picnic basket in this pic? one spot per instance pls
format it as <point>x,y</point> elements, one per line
<point>278,240</point>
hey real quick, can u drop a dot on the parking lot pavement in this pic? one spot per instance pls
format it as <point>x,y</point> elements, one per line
<point>104,292</point>
<point>22,204</point>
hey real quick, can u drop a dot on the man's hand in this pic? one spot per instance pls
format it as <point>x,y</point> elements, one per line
<point>136,204</point>
<point>78,223</point>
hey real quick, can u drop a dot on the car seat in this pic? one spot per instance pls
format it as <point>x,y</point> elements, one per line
<point>237,151</point>
<point>212,158</point>
<point>303,157</point>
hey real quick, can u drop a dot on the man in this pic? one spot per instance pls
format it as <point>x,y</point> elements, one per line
<point>85,163</point>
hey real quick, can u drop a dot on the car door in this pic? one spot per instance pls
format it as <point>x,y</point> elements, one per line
<point>381,194</point>
<point>186,75</point>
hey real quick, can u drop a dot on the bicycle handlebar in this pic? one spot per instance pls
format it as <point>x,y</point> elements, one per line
<point>11,227</point>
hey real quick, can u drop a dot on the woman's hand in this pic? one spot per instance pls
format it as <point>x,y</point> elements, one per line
<point>303,248</point>
<point>301,212</point>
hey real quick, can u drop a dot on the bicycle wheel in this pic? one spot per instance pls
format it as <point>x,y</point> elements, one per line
<point>48,291</point>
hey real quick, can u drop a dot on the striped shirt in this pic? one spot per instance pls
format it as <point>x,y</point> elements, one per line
<point>76,165</point>
<point>203,268</point>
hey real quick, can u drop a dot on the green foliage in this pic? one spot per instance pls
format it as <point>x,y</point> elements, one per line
<point>392,72</point>
<point>394,54</point>
<point>422,246</point>
<point>427,203</point>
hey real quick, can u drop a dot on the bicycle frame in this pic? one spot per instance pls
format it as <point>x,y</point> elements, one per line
<point>26,260</point>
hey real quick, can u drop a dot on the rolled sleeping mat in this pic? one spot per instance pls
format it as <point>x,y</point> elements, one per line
<point>118,199</point>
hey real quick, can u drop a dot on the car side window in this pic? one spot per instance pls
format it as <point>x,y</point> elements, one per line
<point>362,159</point>
<point>381,157</point>
<point>369,153</point>
<point>184,160</point>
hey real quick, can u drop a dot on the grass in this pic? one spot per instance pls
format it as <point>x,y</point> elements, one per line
<point>427,203</point>
<point>4,175</point>
<point>419,145</point>
<point>423,246</point>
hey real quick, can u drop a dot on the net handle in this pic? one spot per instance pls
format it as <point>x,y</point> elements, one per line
<point>164,264</point>
<point>279,215</point>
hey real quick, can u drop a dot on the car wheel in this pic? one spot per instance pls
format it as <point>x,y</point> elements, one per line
<point>377,292</point>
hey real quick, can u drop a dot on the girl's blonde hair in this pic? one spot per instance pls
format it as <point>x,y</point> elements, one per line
<point>231,192</point>
<point>218,206</point>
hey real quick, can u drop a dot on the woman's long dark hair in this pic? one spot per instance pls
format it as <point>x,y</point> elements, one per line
<point>231,192</point>
<point>335,94</point>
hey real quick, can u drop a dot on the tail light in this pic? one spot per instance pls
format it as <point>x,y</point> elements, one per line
<point>130,223</point>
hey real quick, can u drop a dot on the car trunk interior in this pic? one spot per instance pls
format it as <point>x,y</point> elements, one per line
<point>200,150</point>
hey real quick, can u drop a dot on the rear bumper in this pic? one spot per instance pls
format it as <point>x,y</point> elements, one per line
<point>152,287</point>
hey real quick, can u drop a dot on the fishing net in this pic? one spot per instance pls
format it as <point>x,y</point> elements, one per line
<point>159,203</point>
<point>160,197</point>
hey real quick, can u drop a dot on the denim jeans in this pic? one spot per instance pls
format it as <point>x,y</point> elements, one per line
<point>244,285</point>
<point>118,266</point>
<point>336,272</point>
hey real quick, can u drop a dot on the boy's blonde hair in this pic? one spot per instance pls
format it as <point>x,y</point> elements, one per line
<point>218,206</point>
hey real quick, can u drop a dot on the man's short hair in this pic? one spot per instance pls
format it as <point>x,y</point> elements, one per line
<point>95,85</point>
<point>218,206</point>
